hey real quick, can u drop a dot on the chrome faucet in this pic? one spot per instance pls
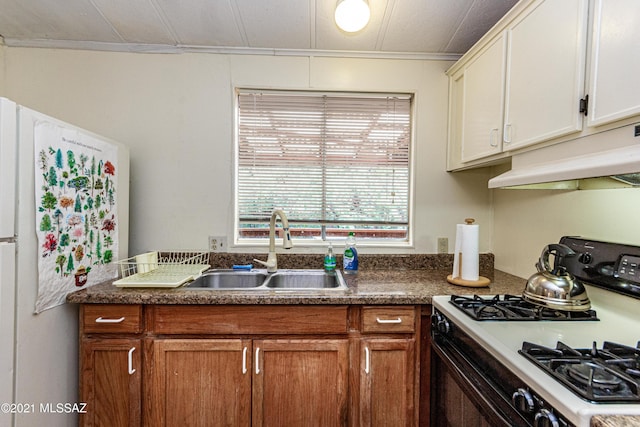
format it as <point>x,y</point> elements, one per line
<point>272,261</point>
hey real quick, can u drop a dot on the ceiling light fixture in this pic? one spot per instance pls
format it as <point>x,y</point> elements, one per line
<point>352,15</point>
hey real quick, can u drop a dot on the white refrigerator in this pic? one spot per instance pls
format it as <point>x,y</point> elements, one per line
<point>38,352</point>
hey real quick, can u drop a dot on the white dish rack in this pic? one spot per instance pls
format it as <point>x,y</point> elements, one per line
<point>162,269</point>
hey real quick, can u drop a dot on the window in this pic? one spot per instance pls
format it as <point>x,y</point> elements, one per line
<point>334,162</point>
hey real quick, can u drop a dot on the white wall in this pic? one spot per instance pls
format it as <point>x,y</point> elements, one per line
<point>176,113</point>
<point>527,220</point>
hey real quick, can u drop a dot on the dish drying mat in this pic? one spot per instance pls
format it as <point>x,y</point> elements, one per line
<point>166,269</point>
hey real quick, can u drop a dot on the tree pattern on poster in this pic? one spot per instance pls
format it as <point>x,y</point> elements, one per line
<point>77,209</point>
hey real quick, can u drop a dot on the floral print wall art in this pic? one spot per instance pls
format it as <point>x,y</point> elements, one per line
<point>76,213</point>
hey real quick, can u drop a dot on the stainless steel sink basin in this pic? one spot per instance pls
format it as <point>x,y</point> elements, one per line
<point>229,279</point>
<point>305,279</point>
<point>259,279</point>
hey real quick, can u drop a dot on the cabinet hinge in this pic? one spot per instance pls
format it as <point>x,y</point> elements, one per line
<point>584,105</point>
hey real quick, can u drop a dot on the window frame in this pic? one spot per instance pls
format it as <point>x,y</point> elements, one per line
<point>406,243</point>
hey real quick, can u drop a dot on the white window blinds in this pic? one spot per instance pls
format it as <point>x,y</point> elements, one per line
<point>325,158</point>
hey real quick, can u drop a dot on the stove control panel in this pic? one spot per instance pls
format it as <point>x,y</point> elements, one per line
<point>628,268</point>
<point>614,266</point>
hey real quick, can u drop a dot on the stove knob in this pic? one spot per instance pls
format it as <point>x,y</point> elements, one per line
<point>442,324</point>
<point>523,400</point>
<point>545,418</point>
<point>585,258</point>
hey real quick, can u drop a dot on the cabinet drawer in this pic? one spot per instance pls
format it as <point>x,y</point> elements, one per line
<point>388,319</point>
<point>241,319</point>
<point>99,318</point>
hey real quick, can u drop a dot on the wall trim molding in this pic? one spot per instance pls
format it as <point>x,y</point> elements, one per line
<point>177,49</point>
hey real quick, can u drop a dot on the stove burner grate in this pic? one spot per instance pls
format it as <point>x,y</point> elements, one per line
<point>596,375</point>
<point>512,307</point>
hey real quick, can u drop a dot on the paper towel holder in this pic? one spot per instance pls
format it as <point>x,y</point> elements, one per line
<point>480,283</point>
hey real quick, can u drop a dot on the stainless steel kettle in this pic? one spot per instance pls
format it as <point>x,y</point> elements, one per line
<point>556,288</point>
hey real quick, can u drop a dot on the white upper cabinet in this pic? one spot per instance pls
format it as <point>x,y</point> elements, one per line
<point>482,102</point>
<point>545,72</point>
<point>521,85</point>
<point>614,87</point>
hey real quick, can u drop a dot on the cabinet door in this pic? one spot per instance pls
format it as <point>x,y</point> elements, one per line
<point>387,382</point>
<point>545,72</point>
<point>111,382</point>
<point>300,382</point>
<point>482,102</point>
<point>201,382</point>
<point>614,91</point>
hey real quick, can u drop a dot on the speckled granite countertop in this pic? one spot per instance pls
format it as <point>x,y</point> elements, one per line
<point>367,287</point>
<point>382,279</point>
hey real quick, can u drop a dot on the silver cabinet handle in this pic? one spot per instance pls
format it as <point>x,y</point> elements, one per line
<point>387,321</point>
<point>258,360</point>
<point>130,361</point>
<point>103,320</point>
<point>367,360</point>
<point>244,360</point>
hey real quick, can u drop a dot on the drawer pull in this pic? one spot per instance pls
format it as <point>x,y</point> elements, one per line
<point>130,361</point>
<point>367,360</point>
<point>244,360</point>
<point>103,320</point>
<point>388,321</point>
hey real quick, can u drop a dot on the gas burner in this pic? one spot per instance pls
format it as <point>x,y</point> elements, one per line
<point>592,375</point>
<point>512,307</point>
<point>597,375</point>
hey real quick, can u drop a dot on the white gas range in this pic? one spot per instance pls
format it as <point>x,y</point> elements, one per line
<point>531,393</point>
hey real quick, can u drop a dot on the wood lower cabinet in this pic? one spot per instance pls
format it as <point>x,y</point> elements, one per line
<point>111,365</point>
<point>195,381</point>
<point>388,366</point>
<point>300,383</point>
<point>110,382</point>
<point>387,382</point>
<point>159,365</point>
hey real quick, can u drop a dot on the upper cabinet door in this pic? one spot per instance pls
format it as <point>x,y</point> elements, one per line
<point>614,88</point>
<point>545,72</point>
<point>482,104</point>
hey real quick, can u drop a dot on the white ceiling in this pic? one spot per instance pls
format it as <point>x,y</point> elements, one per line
<point>410,27</point>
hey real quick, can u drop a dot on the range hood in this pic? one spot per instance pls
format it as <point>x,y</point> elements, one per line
<point>608,159</point>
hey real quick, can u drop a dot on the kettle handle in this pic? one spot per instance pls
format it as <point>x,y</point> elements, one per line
<point>560,251</point>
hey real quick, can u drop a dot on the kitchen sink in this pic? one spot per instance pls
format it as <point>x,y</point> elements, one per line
<point>229,279</point>
<point>305,279</point>
<point>259,279</point>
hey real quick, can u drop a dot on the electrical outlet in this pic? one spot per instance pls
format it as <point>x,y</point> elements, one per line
<point>443,245</point>
<point>217,243</point>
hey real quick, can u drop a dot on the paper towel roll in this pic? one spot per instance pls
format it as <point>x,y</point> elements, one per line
<point>466,258</point>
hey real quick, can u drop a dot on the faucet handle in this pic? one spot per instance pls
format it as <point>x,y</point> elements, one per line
<point>266,264</point>
<point>270,263</point>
